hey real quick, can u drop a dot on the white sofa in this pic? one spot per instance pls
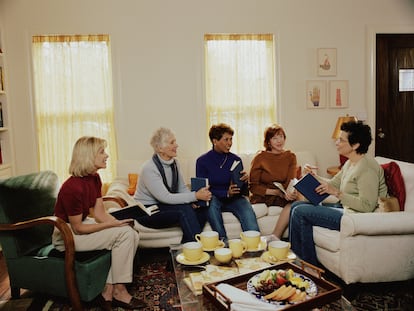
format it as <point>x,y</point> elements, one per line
<point>372,247</point>
<point>154,238</point>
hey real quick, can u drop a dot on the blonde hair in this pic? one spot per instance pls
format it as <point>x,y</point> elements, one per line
<point>161,138</point>
<point>83,155</point>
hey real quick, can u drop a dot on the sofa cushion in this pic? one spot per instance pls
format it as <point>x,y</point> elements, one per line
<point>395,182</point>
<point>326,238</point>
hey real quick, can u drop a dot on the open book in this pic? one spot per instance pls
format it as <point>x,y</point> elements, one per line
<point>235,170</point>
<point>134,211</point>
<point>290,188</point>
<point>306,185</point>
<point>196,184</point>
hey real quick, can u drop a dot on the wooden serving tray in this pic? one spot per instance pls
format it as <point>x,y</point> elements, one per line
<point>327,291</point>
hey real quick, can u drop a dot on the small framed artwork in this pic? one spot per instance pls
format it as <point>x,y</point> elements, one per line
<point>338,94</point>
<point>315,94</point>
<point>326,62</point>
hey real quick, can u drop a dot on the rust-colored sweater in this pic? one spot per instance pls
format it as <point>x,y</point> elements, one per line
<point>267,168</point>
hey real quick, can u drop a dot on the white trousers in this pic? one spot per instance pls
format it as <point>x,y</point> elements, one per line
<point>122,241</point>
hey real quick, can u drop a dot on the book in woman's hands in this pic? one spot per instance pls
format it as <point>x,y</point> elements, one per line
<point>290,188</point>
<point>196,184</point>
<point>134,211</point>
<point>307,185</point>
<point>235,171</point>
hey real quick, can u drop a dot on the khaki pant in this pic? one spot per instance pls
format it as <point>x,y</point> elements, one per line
<point>122,241</point>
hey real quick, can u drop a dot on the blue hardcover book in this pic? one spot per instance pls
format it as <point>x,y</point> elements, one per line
<point>306,185</point>
<point>236,169</point>
<point>196,184</point>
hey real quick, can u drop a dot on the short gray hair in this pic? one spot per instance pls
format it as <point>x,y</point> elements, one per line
<point>161,138</point>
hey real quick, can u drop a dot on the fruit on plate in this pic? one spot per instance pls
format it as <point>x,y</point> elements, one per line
<point>281,285</point>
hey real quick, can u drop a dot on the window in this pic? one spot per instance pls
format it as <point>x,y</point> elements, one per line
<point>240,86</point>
<point>73,97</point>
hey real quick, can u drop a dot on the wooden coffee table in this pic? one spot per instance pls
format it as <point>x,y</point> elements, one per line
<point>189,300</point>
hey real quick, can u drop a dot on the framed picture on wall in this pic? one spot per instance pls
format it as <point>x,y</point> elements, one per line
<point>315,94</point>
<point>338,94</point>
<point>327,62</point>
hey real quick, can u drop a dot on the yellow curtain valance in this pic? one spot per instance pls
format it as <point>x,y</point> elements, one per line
<point>70,38</point>
<point>263,37</point>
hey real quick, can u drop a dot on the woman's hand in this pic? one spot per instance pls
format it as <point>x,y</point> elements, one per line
<point>233,190</point>
<point>291,196</point>
<point>309,169</point>
<point>203,194</point>
<point>244,176</point>
<point>324,187</point>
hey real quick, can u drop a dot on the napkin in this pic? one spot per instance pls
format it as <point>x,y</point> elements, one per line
<point>242,300</point>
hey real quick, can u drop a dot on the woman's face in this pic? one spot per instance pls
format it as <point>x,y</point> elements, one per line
<point>169,150</point>
<point>343,146</point>
<point>277,142</point>
<point>224,144</point>
<point>100,158</point>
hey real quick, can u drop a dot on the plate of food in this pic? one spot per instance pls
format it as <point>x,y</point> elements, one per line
<point>281,287</point>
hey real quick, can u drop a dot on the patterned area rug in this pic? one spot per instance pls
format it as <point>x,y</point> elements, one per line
<point>154,282</point>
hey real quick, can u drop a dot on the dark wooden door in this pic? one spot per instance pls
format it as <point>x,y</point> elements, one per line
<point>394,133</point>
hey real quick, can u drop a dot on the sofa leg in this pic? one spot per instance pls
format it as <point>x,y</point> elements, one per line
<point>350,291</point>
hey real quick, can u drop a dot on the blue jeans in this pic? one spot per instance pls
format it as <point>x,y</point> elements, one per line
<point>303,216</point>
<point>171,215</point>
<point>239,207</point>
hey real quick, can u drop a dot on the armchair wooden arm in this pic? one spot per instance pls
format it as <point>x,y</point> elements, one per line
<point>120,201</point>
<point>67,235</point>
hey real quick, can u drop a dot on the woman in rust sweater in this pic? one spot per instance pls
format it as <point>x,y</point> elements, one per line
<point>274,164</point>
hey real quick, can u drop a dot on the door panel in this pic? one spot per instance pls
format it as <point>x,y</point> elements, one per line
<point>394,133</point>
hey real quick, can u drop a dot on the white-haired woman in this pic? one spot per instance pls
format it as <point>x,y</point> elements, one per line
<point>79,197</point>
<point>160,182</point>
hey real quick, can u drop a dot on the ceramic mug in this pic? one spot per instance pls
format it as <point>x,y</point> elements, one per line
<point>238,247</point>
<point>192,251</point>
<point>279,249</point>
<point>251,238</point>
<point>223,254</point>
<point>209,239</point>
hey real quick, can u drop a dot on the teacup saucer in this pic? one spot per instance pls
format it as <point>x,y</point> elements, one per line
<point>270,259</point>
<point>182,260</point>
<point>261,247</point>
<point>219,245</point>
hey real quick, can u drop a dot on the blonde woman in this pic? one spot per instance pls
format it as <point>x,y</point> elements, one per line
<point>79,197</point>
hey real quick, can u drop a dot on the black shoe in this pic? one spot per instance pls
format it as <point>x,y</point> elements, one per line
<point>105,305</point>
<point>134,304</point>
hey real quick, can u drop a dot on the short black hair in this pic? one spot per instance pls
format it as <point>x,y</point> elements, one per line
<point>217,131</point>
<point>358,132</point>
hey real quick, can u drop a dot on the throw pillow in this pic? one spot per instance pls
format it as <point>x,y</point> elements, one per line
<point>133,180</point>
<point>395,182</point>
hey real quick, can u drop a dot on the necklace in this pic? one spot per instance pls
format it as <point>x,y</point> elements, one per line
<point>224,161</point>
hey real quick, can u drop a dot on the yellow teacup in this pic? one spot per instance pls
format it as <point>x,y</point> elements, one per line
<point>209,239</point>
<point>279,249</point>
<point>251,238</point>
<point>223,255</point>
<point>238,247</point>
<point>192,251</point>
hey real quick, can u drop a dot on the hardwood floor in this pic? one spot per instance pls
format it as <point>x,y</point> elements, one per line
<point>6,303</point>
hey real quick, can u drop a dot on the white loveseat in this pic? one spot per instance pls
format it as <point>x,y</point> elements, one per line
<point>154,238</point>
<point>372,247</point>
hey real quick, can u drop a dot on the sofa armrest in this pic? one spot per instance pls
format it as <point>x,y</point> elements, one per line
<point>393,223</point>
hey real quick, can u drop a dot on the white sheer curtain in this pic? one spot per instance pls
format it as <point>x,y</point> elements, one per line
<point>72,77</point>
<point>240,86</point>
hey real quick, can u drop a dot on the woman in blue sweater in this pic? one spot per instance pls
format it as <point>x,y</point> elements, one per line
<point>226,195</point>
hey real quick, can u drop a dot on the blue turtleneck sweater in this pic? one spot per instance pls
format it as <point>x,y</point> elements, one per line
<point>216,167</point>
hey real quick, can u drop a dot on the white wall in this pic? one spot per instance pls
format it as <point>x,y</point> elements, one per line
<point>157,48</point>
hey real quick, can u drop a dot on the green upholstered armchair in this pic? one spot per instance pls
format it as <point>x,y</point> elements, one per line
<point>26,226</point>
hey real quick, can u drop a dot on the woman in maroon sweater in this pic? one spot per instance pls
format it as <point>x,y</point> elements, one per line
<point>80,204</point>
<point>274,164</point>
